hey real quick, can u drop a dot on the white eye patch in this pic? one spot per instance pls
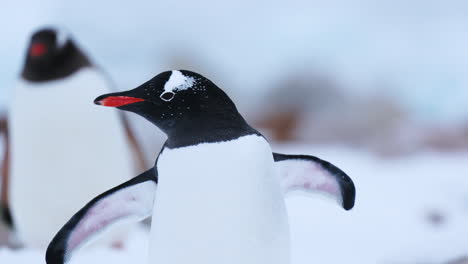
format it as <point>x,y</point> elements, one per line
<point>167,96</point>
<point>177,82</point>
<point>61,37</point>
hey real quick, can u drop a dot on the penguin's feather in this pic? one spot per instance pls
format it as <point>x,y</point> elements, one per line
<point>130,201</point>
<point>311,174</point>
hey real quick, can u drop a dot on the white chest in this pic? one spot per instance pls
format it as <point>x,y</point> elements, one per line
<point>219,203</point>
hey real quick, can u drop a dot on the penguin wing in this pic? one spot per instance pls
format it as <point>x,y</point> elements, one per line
<point>5,213</point>
<point>311,174</point>
<point>131,201</point>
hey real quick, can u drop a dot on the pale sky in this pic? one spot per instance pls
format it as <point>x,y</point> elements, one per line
<point>417,52</point>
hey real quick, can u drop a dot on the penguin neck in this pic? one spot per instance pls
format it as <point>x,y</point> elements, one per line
<point>208,130</point>
<point>68,61</point>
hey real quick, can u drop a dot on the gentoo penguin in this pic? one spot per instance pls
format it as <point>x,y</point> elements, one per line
<point>216,192</point>
<point>62,151</point>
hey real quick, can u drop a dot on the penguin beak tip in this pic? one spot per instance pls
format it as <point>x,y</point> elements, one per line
<point>99,100</point>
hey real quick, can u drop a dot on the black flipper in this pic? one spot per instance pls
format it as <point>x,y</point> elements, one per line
<point>5,213</point>
<point>132,200</point>
<point>6,216</point>
<point>309,173</point>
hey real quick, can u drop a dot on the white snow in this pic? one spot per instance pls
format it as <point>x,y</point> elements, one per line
<point>178,82</point>
<point>390,223</point>
<point>136,251</point>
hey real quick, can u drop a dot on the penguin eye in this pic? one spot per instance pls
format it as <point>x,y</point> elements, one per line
<point>167,96</point>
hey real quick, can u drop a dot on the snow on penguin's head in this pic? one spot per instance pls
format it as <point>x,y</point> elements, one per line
<point>177,82</point>
<point>51,55</point>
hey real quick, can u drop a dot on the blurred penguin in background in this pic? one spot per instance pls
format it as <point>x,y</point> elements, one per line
<point>60,150</point>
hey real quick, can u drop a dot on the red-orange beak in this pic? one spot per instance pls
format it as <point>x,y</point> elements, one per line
<point>116,101</point>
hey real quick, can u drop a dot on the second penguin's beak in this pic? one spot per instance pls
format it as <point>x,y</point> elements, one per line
<point>116,100</point>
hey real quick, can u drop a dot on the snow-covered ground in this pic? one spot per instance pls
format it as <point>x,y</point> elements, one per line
<point>391,223</point>
<point>408,210</point>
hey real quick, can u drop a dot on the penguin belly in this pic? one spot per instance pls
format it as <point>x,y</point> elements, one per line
<point>219,203</point>
<point>65,151</point>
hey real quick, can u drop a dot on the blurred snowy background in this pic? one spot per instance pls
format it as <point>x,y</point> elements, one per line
<point>378,87</point>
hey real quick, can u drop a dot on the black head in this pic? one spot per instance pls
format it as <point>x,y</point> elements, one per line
<point>186,106</point>
<point>51,55</point>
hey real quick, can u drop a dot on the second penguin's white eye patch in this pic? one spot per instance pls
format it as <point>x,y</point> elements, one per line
<point>61,37</point>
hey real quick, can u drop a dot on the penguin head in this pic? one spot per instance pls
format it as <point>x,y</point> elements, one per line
<point>52,54</point>
<point>46,44</point>
<point>178,102</point>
